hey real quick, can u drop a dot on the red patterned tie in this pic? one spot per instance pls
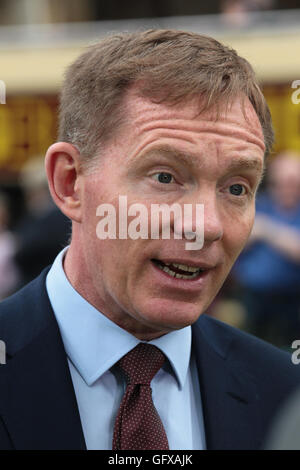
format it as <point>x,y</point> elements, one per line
<point>138,425</point>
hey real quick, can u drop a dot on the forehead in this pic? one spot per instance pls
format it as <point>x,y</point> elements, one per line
<point>238,120</point>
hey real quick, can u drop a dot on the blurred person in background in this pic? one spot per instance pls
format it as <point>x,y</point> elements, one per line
<point>235,12</point>
<point>9,275</point>
<point>44,230</point>
<point>268,271</point>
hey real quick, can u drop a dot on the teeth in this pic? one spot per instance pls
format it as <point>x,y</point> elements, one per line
<point>178,276</point>
<point>167,270</point>
<point>182,276</point>
<point>184,267</point>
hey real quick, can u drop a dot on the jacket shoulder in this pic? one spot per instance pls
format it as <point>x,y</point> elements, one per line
<point>24,314</point>
<point>264,360</point>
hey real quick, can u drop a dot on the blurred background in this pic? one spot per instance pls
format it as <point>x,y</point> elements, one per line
<point>39,38</point>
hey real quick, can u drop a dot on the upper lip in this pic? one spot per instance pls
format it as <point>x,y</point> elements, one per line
<point>193,263</point>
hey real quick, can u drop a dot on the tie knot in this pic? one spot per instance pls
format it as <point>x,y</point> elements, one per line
<point>141,364</point>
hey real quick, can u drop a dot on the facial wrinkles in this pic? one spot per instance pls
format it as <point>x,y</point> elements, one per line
<point>207,145</point>
<point>189,130</point>
<point>186,123</point>
<point>236,141</point>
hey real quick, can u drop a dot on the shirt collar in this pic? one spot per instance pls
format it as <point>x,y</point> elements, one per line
<point>93,342</point>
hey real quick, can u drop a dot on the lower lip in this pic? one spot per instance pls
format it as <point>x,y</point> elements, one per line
<point>190,285</point>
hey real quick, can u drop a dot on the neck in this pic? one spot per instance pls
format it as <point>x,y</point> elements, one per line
<point>79,277</point>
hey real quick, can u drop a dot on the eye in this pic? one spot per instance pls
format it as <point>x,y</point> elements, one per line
<point>237,189</point>
<point>163,177</point>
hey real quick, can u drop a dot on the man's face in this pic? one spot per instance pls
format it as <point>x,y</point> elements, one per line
<point>284,182</point>
<point>169,154</point>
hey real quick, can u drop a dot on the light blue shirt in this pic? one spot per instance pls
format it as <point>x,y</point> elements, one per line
<point>93,344</point>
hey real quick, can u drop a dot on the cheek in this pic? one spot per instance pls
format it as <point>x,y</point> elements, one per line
<point>237,235</point>
<point>89,208</point>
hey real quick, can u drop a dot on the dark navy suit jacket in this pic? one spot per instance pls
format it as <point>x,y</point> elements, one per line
<point>243,380</point>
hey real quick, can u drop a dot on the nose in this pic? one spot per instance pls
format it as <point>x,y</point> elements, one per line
<point>201,216</point>
<point>213,224</point>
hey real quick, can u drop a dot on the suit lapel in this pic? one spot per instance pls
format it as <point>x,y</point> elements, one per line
<point>40,409</point>
<point>229,393</point>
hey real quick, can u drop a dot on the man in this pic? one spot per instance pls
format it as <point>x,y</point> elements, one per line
<point>161,117</point>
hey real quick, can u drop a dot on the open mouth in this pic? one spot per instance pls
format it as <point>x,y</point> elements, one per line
<point>179,271</point>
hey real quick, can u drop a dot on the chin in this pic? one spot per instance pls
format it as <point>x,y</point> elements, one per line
<point>169,315</point>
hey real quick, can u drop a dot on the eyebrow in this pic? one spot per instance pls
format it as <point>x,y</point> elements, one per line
<point>249,163</point>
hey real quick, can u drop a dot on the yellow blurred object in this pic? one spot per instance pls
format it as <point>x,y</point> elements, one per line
<point>27,127</point>
<point>231,312</point>
<point>285,115</point>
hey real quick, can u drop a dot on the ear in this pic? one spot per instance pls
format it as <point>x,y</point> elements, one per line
<point>62,164</point>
